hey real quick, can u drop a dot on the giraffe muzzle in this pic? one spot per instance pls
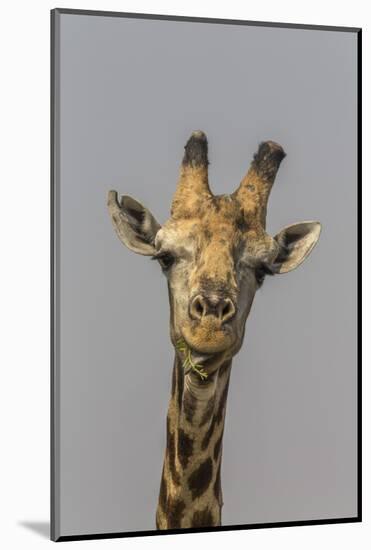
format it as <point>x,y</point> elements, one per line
<point>210,327</point>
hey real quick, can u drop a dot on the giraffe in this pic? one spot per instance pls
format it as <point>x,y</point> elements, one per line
<point>215,253</point>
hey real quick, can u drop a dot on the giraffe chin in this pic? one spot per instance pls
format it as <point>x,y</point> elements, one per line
<point>208,340</point>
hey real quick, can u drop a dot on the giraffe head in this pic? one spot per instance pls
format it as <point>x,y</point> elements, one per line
<point>214,250</point>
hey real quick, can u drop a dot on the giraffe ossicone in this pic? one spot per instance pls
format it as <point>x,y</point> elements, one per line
<point>215,253</point>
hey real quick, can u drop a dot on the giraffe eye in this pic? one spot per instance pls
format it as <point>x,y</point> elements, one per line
<point>165,259</point>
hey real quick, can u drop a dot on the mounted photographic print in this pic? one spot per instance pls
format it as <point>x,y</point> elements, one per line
<point>205,190</point>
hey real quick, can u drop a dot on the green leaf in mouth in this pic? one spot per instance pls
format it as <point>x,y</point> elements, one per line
<point>188,361</point>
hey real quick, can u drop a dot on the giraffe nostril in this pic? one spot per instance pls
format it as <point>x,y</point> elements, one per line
<point>227,310</point>
<point>198,307</point>
<point>222,308</point>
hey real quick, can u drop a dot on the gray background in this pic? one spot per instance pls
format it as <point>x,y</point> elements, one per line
<point>129,94</point>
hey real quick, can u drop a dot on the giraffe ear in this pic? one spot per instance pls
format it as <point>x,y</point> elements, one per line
<point>134,224</point>
<point>296,243</point>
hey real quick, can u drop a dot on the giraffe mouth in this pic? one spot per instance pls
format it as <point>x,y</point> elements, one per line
<point>195,361</point>
<point>200,359</point>
<point>208,341</point>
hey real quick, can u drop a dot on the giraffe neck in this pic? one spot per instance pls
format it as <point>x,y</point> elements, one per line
<point>190,493</point>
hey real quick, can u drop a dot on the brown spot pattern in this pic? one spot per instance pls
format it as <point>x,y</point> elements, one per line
<point>218,488</point>
<point>202,518</point>
<point>217,447</point>
<point>190,405</point>
<point>208,434</point>
<point>208,412</point>
<point>175,511</point>
<point>200,479</point>
<point>185,447</point>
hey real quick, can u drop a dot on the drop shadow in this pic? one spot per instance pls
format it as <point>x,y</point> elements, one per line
<point>42,528</point>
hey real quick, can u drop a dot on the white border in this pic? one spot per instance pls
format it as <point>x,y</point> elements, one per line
<point>24,218</point>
